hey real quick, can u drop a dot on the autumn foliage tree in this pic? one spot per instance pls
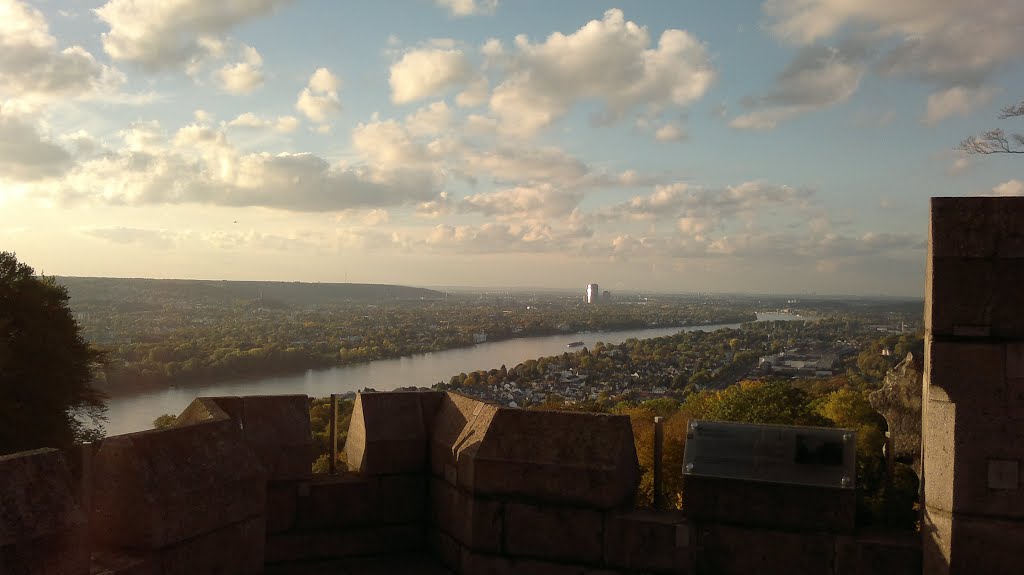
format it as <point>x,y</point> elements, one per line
<point>46,367</point>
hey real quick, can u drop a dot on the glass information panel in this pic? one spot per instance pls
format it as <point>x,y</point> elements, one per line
<point>819,456</point>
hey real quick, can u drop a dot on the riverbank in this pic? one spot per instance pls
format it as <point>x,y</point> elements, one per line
<point>142,386</point>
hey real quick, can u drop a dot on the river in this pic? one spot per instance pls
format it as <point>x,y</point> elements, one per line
<point>136,412</point>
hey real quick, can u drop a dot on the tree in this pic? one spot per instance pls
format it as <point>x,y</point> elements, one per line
<point>997,141</point>
<point>46,367</point>
<point>165,420</point>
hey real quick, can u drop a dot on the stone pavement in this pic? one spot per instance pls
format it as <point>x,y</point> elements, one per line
<point>379,565</point>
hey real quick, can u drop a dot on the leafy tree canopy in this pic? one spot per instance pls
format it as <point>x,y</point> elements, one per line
<point>46,367</point>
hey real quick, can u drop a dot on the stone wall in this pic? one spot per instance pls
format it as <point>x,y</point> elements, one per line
<point>974,386</point>
<point>486,489</point>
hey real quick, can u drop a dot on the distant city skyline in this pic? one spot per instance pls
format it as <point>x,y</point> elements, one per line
<point>775,146</point>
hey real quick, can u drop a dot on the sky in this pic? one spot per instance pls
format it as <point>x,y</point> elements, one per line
<point>782,146</point>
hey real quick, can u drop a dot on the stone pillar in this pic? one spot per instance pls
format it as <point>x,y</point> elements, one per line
<point>973,416</point>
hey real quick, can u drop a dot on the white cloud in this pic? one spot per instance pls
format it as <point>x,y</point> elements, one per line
<point>610,61</point>
<point>158,34</point>
<point>524,203</point>
<point>468,7</point>
<point>428,72</point>
<point>388,144</point>
<point>945,43</point>
<point>242,77</point>
<point>956,101</point>
<point>1009,188</point>
<point>33,66</point>
<point>818,77</point>
<point>198,165</point>
<point>248,120</point>
<point>25,153</point>
<point>318,101</point>
<point>669,133</point>
<point>432,119</point>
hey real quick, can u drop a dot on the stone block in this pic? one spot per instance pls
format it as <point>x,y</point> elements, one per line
<point>282,505</point>
<point>969,374</point>
<point>940,425</point>
<point>649,541</point>
<point>42,528</point>
<point>455,436</point>
<point>474,522</point>
<point>727,550</point>
<point>977,227</point>
<point>445,548</point>
<point>769,505</point>
<point>565,458</point>
<point>967,297</point>
<point>955,543</point>
<point>884,553</point>
<point>336,543</point>
<point>349,500</point>
<point>202,410</point>
<point>235,549</point>
<point>277,429</point>
<point>484,564</point>
<point>388,432</point>
<point>564,534</point>
<point>122,563</point>
<point>158,487</point>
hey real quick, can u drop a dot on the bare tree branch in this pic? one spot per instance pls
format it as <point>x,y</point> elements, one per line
<point>996,141</point>
<point>1012,111</point>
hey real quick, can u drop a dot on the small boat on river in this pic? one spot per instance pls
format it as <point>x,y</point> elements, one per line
<point>575,344</point>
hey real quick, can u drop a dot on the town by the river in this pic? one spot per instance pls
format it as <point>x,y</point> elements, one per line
<point>137,412</point>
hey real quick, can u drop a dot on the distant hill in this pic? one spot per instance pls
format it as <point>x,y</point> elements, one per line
<point>161,291</point>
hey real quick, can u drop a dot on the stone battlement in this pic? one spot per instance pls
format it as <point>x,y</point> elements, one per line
<point>478,487</point>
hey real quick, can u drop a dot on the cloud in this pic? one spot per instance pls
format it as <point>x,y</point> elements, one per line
<point>198,165</point>
<point>242,77</point>
<point>25,153</point>
<point>318,101</point>
<point>152,239</point>
<point>161,35</point>
<point>250,121</point>
<point>944,43</point>
<point>428,72</point>
<point>1009,188</point>
<point>682,200</point>
<point>958,101</point>
<point>610,61</point>
<point>818,77</point>
<point>33,66</point>
<point>523,203</point>
<point>461,8</point>
<point>511,163</point>
<point>433,119</point>
<point>669,133</point>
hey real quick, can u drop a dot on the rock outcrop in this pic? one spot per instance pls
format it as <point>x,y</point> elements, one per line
<point>899,401</point>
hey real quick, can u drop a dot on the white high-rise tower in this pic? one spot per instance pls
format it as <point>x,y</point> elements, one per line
<point>593,296</point>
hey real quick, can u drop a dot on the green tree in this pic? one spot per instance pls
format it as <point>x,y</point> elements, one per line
<point>165,420</point>
<point>46,366</point>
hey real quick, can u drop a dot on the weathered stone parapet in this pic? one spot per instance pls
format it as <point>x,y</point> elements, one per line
<point>562,457</point>
<point>769,505</point>
<point>389,431</point>
<point>648,541</point>
<point>42,528</point>
<point>188,498</point>
<point>277,429</point>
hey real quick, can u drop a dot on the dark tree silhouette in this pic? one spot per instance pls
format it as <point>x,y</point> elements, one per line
<point>997,141</point>
<point>46,367</point>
